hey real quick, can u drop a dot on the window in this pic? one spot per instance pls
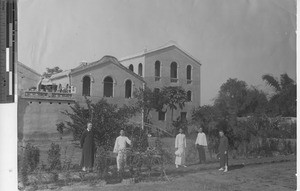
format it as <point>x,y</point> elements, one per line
<point>128,87</point>
<point>157,70</point>
<point>189,96</point>
<point>189,74</point>
<point>183,116</point>
<point>140,69</point>
<point>161,116</point>
<point>108,87</point>
<point>130,67</point>
<point>86,86</point>
<point>173,72</point>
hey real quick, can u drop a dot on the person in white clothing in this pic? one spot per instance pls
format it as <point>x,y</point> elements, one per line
<point>201,143</point>
<point>120,149</point>
<point>180,145</point>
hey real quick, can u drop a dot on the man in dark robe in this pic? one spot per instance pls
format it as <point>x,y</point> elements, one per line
<point>223,152</point>
<point>88,148</point>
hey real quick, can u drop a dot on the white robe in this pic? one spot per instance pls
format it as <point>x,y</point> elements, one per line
<point>180,145</point>
<point>119,148</point>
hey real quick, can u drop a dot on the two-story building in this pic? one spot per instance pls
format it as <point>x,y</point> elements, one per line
<point>168,66</point>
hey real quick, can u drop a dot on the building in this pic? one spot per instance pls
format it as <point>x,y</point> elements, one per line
<point>169,65</point>
<point>27,77</point>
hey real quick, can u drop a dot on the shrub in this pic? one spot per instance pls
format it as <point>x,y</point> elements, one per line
<point>31,157</point>
<point>54,157</point>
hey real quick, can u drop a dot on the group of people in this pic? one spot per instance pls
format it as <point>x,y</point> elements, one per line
<point>88,149</point>
<point>200,144</point>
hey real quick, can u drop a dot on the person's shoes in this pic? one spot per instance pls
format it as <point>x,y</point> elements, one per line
<point>221,169</point>
<point>176,166</point>
<point>184,166</point>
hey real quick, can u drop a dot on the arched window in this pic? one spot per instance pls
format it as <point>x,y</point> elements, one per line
<point>108,87</point>
<point>140,69</point>
<point>173,72</point>
<point>128,88</point>
<point>86,86</point>
<point>189,96</point>
<point>157,70</point>
<point>189,74</point>
<point>130,67</point>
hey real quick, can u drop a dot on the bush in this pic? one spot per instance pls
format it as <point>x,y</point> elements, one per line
<point>31,157</point>
<point>54,157</point>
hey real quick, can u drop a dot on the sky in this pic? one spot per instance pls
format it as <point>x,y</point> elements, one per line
<point>241,39</point>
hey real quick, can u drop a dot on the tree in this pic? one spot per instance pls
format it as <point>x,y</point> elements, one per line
<point>147,100</point>
<point>107,120</point>
<point>173,97</point>
<point>51,71</point>
<point>283,102</point>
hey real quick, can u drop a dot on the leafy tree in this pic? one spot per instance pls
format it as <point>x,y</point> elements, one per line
<point>107,120</point>
<point>173,97</point>
<point>147,100</point>
<point>50,71</point>
<point>283,102</point>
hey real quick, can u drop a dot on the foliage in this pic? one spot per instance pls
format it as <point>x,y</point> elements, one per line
<point>107,120</point>
<point>180,124</point>
<point>283,102</point>
<point>174,97</point>
<point>147,100</point>
<point>31,157</point>
<point>50,71</point>
<point>54,157</point>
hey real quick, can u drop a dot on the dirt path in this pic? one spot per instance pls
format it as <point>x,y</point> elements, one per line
<point>268,176</point>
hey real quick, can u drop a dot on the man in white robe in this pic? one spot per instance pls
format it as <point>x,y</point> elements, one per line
<point>201,143</point>
<point>180,145</point>
<point>120,149</point>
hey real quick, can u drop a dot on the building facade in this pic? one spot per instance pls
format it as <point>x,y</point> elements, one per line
<point>168,66</point>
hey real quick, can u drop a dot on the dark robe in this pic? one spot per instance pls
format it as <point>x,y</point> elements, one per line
<point>88,149</point>
<point>223,146</point>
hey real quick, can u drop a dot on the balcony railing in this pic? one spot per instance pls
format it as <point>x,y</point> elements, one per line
<point>174,80</point>
<point>47,95</point>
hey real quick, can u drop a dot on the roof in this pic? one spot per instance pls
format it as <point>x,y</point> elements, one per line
<point>28,68</point>
<point>104,60</point>
<point>60,74</point>
<point>171,44</point>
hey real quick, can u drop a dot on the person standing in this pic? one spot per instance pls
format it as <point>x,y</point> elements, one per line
<point>201,143</point>
<point>88,148</point>
<point>180,145</point>
<point>223,151</point>
<point>120,149</point>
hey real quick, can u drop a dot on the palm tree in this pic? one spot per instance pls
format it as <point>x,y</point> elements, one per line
<point>174,97</point>
<point>283,102</point>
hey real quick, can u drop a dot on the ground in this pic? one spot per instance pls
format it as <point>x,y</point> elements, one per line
<point>273,176</point>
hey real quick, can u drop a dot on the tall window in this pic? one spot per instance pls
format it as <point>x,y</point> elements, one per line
<point>161,116</point>
<point>140,69</point>
<point>128,87</point>
<point>173,72</point>
<point>189,96</point>
<point>108,87</point>
<point>183,116</point>
<point>189,74</point>
<point>86,86</point>
<point>157,70</point>
<point>131,67</point>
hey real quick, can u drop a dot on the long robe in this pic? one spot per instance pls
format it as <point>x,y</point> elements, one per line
<point>180,145</point>
<point>120,146</point>
<point>88,149</point>
<point>223,146</point>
